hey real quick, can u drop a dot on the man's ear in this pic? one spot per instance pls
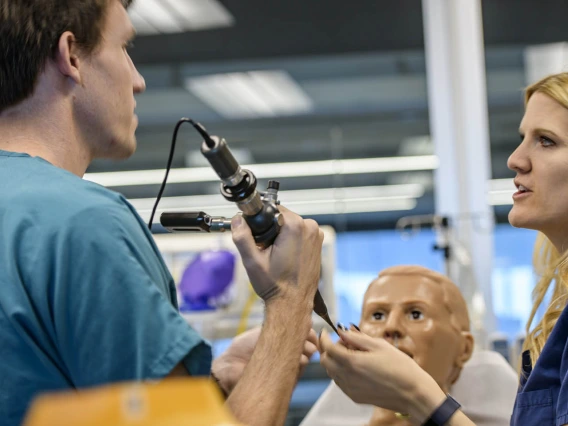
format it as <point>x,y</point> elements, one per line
<point>67,57</point>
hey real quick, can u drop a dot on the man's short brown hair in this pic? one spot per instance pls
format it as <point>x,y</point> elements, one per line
<point>29,33</point>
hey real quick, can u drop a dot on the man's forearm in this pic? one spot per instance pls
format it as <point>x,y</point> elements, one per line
<point>263,393</point>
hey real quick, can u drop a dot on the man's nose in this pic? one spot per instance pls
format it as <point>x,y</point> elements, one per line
<point>139,82</point>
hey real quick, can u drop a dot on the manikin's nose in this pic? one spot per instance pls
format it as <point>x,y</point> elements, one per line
<point>394,329</point>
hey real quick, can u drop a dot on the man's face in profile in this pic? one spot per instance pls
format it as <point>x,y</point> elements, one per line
<point>409,311</point>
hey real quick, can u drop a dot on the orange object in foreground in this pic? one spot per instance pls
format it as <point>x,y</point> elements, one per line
<point>170,402</point>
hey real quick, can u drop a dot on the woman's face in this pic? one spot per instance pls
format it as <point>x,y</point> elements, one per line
<point>541,164</point>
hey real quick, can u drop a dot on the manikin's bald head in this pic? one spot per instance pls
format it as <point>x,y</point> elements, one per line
<point>424,314</point>
<point>453,299</point>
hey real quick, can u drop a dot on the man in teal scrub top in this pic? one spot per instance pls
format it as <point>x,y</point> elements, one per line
<point>85,297</point>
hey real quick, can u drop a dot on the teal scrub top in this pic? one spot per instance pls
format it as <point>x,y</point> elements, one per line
<point>85,296</point>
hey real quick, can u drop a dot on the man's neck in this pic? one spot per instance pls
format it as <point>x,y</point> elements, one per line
<point>53,139</point>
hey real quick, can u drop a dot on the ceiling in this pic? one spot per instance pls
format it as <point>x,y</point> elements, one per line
<point>361,64</point>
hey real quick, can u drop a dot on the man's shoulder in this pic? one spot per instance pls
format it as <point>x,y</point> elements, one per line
<point>59,195</point>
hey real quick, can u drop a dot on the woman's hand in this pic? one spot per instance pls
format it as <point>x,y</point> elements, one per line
<point>372,371</point>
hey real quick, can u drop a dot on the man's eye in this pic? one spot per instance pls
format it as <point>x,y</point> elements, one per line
<point>129,45</point>
<point>416,315</point>
<point>379,316</point>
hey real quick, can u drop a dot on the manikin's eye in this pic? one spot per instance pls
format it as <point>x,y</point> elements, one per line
<point>379,316</point>
<point>415,314</point>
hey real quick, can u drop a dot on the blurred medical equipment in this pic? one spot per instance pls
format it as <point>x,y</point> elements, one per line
<point>457,265</point>
<point>205,279</point>
<point>237,309</point>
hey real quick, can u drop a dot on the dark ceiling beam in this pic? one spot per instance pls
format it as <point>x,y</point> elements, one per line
<point>297,28</point>
<point>267,29</point>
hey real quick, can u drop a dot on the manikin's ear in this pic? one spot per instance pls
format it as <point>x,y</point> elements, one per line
<point>466,350</point>
<point>67,57</point>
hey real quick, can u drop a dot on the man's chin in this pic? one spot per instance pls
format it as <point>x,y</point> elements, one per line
<point>117,151</point>
<point>123,149</point>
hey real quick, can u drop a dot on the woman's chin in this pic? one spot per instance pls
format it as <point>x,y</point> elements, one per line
<point>517,220</point>
<point>521,221</point>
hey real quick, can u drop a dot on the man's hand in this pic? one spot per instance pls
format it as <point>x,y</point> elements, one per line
<point>291,266</point>
<point>229,367</point>
<point>286,275</point>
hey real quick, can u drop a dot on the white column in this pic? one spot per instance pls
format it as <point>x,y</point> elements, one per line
<point>455,64</point>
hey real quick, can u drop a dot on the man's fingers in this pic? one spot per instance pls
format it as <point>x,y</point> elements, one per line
<point>312,337</point>
<point>304,360</point>
<point>309,349</point>
<point>243,239</point>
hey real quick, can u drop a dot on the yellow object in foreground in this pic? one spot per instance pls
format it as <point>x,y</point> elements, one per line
<point>171,402</point>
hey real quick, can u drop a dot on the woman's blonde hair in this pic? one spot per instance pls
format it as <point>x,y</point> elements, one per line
<point>549,265</point>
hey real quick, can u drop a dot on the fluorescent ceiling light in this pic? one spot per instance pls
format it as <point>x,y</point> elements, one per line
<point>500,198</point>
<point>142,26</point>
<point>251,94</point>
<point>270,170</point>
<point>302,196</point>
<point>544,59</point>
<point>173,16</point>
<point>201,14</point>
<point>502,185</point>
<point>304,202</point>
<point>156,15</point>
<point>501,192</point>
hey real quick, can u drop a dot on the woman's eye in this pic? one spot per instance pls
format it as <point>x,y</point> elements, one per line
<point>545,142</point>
<point>379,316</point>
<point>416,315</point>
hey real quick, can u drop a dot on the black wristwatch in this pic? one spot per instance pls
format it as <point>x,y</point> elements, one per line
<point>443,413</point>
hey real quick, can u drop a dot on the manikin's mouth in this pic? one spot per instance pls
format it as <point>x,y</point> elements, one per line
<point>402,349</point>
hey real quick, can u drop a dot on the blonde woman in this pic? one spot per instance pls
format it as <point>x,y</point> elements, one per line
<point>377,373</point>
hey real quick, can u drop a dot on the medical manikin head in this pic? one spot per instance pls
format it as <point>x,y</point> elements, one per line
<point>424,314</point>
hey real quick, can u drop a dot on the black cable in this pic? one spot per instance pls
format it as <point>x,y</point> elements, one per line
<point>210,143</point>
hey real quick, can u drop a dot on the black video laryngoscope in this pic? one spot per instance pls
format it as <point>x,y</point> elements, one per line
<point>238,185</point>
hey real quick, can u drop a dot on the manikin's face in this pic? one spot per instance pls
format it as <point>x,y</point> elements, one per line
<point>541,164</point>
<point>105,102</point>
<point>409,312</point>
